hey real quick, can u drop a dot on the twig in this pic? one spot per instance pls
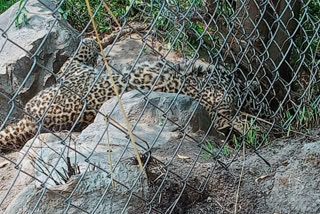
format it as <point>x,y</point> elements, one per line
<point>115,87</point>
<point>240,178</point>
<point>257,118</point>
<point>109,151</point>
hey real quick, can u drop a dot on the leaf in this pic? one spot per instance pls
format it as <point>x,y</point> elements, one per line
<point>263,177</point>
<point>183,157</point>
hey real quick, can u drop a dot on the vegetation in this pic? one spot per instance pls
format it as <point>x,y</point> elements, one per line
<point>75,11</point>
<point>5,4</point>
<point>210,150</point>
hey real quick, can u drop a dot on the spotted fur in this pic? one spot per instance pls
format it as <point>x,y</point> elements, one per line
<point>59,107</point>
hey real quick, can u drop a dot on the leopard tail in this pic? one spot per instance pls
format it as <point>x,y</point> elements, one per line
<point>14,136</point>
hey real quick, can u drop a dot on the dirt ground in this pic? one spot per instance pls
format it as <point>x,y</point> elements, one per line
<point>289,185</point>
<point>8,187</point>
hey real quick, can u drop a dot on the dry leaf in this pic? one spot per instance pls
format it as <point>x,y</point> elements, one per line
<point>261,178</point>
<point>183,157</point>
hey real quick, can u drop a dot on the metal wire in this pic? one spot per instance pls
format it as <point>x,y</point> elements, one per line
<point>270,47</point>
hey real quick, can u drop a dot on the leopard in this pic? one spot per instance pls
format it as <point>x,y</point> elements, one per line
<point>81,89</point>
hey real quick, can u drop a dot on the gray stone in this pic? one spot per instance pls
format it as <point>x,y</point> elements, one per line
<point>100,146</point>
<point>296,184</point>
<point>16,64</point>
<point>289,185</point>
<point>155,108</point>
<point>86,196</point>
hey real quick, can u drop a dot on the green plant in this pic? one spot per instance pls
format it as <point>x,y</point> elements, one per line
<point>301,117</point>
<point>307,114</point>
<point>251,136</point>
<point>6,4</point>
<point>265,139</point>
<point>286,122</point>
<point>251,133</point>
<point>75,11</point>
<point>211,151</point>
<point>236,142</point>
<point>226,151</point>
<point>64,13</point>
<point>22,16</point>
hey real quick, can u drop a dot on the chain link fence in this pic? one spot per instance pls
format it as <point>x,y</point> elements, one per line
<point>261,59</point>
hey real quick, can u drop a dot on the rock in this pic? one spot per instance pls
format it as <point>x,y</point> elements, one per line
<point>296,183</point>
<point>90,166</point>
<point>45,149</point>
<point>289,185</point>
<point>16,64</point>
<point>158,108</point>
<point>124,52</point>
<point>90,189</point>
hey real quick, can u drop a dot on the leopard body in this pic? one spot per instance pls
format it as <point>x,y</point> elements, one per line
<point>81,90</point>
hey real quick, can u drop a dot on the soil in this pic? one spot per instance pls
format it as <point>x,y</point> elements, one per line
<point>249,185</point>
<point>8,173</point>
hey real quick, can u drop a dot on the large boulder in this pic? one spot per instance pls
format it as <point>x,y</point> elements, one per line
<point>101,147</point>
<point>21,51</point>
<point>87,189</point>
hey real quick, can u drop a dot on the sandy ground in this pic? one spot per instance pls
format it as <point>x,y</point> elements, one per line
<point>8,187</point>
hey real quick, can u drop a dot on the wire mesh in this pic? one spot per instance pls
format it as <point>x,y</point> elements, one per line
<point>261,63</point>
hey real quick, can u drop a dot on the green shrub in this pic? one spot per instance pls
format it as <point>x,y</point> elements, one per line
<point>5,4</point>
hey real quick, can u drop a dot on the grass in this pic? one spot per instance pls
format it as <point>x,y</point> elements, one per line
<point>304,118</point>
<point>75,11</point>
<point>6,4</point>
<point>212,151</point>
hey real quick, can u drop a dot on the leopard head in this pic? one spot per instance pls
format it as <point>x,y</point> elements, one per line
<point>88,51</point>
